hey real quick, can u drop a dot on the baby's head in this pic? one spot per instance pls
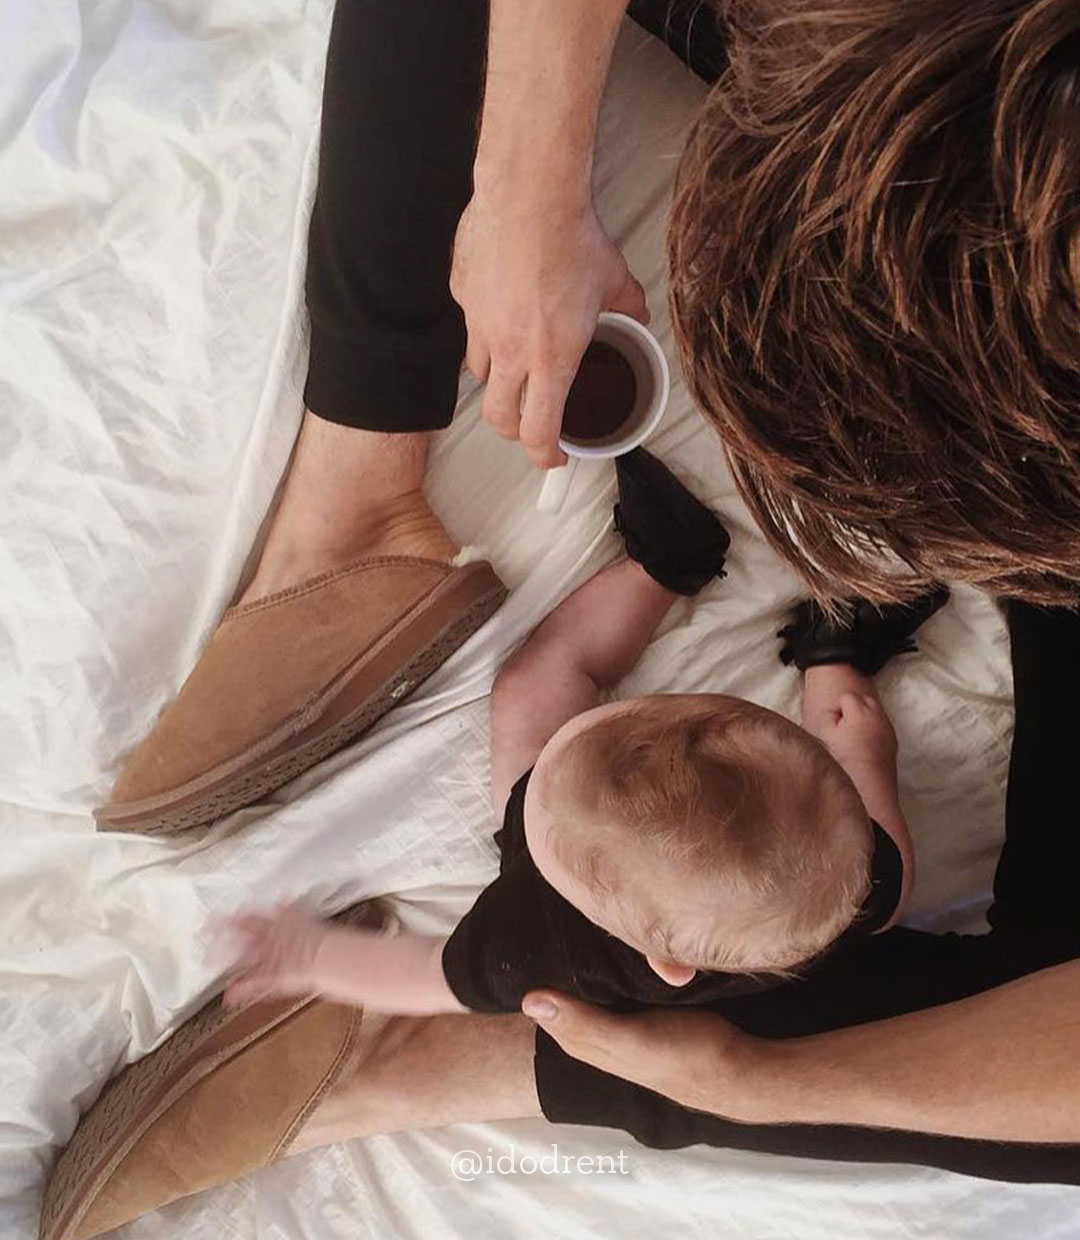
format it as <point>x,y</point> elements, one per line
<point>704,831</point>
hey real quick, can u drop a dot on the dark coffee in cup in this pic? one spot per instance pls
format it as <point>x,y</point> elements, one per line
<point>618,396</point>
<point>602,397</point>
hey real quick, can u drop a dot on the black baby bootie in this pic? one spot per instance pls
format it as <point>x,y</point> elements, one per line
<point>867,637</point>
<point>677,540</point>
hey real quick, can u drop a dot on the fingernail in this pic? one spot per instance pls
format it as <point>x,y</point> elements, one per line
<point>539,1009</point>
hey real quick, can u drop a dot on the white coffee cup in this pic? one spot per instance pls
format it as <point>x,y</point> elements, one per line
<point>652,381</point>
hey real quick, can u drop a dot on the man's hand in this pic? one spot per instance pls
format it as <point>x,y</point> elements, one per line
<point>693,1057</point>
<point>532,276</point>
<point>532,267</point>
<point>1003,1065</point>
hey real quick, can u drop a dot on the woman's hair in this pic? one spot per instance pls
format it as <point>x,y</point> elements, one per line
<point>875,269</point>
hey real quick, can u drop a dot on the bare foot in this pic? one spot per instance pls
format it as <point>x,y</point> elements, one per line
<point>349,493</point>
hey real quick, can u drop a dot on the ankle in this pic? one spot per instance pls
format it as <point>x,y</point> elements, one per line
<point>349,493</point>
<point>404,525</point>
<point>368,1099</point>
<point>296,552</point>
<point>401,524</point>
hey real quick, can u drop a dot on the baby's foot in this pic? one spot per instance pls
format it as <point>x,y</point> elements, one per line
<point>867,637</point>
<point>675,538</point>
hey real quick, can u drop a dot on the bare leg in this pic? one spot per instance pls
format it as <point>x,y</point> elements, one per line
<point>824,686</point>
<point>424,1072</point>
<point>842,709</point>
<point>348,493</point>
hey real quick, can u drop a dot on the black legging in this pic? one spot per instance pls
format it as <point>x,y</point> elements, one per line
<point>399,123</point>
<point>400,114</point>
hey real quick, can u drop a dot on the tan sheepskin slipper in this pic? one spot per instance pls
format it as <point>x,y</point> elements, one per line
<point>291,678</point>
<point>223,1096</point>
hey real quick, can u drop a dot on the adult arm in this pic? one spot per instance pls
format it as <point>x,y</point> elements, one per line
<point>532,266</point>
<point>1001,1065</point>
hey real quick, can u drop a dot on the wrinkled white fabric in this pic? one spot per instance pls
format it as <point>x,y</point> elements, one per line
<point>156,171</point>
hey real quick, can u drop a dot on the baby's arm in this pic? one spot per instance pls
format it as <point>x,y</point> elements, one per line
<point>286,951</point>
<point>588,643</point>
<point>842,709</point>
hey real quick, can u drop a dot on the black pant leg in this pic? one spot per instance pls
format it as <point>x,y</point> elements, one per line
<point>1037,885</point>
<point>1035,925</point>
<point>887,975</point>
<point>400,107</point>
<point>401,104</point>
<point>691,28</point>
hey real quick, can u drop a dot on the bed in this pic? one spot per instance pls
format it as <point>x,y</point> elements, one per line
<point>157,167</point>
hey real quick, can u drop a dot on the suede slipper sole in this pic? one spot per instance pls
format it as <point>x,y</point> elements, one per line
<point>144,1091</point>
<point>385,673</point>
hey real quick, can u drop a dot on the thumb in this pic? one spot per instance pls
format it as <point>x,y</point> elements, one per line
<point>583,1031</point>
<point>629,298</point>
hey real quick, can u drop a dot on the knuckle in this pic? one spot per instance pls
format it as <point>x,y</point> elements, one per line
<point>558,352</point>
<point>498,403</point>
<point>507,347</point>
<point>548,354</point>
<point>500,423</point>
<point>562,342</point>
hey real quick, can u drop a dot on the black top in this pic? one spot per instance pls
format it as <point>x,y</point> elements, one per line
<point>521,934</point>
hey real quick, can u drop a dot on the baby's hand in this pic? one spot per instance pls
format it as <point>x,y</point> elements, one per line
<point>272,953</point>
<point>857,732</point>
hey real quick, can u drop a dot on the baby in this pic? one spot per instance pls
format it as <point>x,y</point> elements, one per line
<point>665,849</point>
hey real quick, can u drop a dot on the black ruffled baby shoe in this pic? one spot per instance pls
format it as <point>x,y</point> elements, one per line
<point>867,636</point>
<point>677,540</point>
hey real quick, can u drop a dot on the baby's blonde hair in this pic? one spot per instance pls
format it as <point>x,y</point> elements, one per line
<point>725,802</point>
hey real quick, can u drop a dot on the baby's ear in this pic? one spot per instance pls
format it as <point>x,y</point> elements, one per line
<point>672,973</point>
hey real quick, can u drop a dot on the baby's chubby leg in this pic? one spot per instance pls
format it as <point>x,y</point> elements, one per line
<point>828,688</point>
<point>586,645</point>
<point>674,545</point>
<point>842,709</point>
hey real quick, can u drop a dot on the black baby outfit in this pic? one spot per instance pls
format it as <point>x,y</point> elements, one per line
<point>521,934</point>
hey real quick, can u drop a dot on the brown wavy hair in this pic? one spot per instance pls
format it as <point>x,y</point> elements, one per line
<point>875,267</point>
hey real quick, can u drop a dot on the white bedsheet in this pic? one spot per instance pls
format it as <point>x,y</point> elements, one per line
<point>156,169</point>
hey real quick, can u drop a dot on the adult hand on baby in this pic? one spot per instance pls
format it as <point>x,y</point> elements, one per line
<point>693,1057</point>
<point>532,275</point>
<point>271,953</point>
